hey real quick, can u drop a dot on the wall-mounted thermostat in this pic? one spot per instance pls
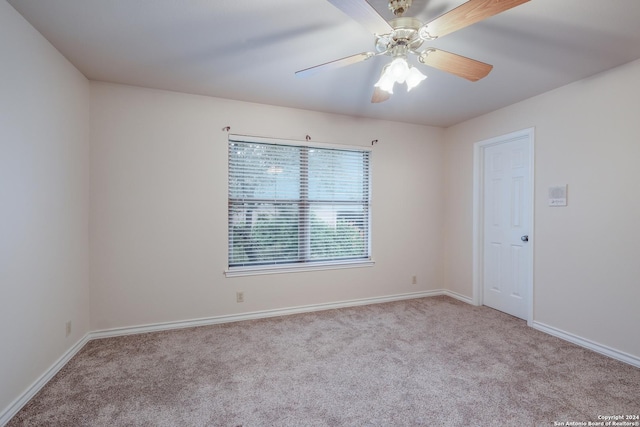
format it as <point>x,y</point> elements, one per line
<point>558,195</point>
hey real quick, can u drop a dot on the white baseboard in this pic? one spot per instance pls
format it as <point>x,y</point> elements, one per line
<point>458,296</point>
<point>34,388</point>
<point>116,332</point>
<point>588,344</point>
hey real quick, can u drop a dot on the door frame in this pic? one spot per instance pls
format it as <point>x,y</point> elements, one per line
<point>478,217</point>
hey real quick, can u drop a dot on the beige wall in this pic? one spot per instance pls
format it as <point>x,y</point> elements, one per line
<point>159,207</point>
<point>586,267</point>
<point>44,182</point>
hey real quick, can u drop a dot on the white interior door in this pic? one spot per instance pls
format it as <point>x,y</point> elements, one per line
<point>507,218</point>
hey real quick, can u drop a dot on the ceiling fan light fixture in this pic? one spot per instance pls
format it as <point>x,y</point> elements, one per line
<point>414,78</point>
<point>399,71</point>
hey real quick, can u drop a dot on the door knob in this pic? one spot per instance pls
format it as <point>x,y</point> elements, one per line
<point>524,238</point>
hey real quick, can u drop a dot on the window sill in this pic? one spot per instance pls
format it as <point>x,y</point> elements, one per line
<point>255,271</point>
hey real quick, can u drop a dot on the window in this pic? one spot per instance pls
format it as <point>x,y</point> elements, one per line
<point>297,206</point>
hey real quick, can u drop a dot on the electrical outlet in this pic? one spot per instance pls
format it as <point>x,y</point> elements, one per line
<point>67,328</point>
<point>414,280</point>
<point>240,296</point>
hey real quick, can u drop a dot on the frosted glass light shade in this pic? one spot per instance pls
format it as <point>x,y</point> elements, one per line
<point>386,81</point>
<point>399,69</point>
<point>414,78</point>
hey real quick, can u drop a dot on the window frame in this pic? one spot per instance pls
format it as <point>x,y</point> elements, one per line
<point>234,271</point>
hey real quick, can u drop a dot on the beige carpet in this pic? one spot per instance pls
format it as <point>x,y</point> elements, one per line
<point>424,362</point>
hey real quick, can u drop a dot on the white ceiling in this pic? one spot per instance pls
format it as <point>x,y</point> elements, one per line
<point>249,51</point>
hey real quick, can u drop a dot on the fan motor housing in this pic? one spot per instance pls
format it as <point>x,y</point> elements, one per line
<point>405,34</point>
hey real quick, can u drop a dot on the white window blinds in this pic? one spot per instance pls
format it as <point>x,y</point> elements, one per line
<point>292,204</point>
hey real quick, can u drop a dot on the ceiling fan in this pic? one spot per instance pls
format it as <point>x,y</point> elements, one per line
<point>405,35</point>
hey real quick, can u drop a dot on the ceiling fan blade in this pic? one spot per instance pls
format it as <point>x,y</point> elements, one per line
<point>468,13</point>
<point>461,66</point>
<point>343,62</point>
<point>379,95</point>
<point>363,13</point>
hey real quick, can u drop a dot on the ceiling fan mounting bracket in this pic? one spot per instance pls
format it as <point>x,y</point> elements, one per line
<point>398,7</point>
<point>422,56</point>
<point>423,33</point>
